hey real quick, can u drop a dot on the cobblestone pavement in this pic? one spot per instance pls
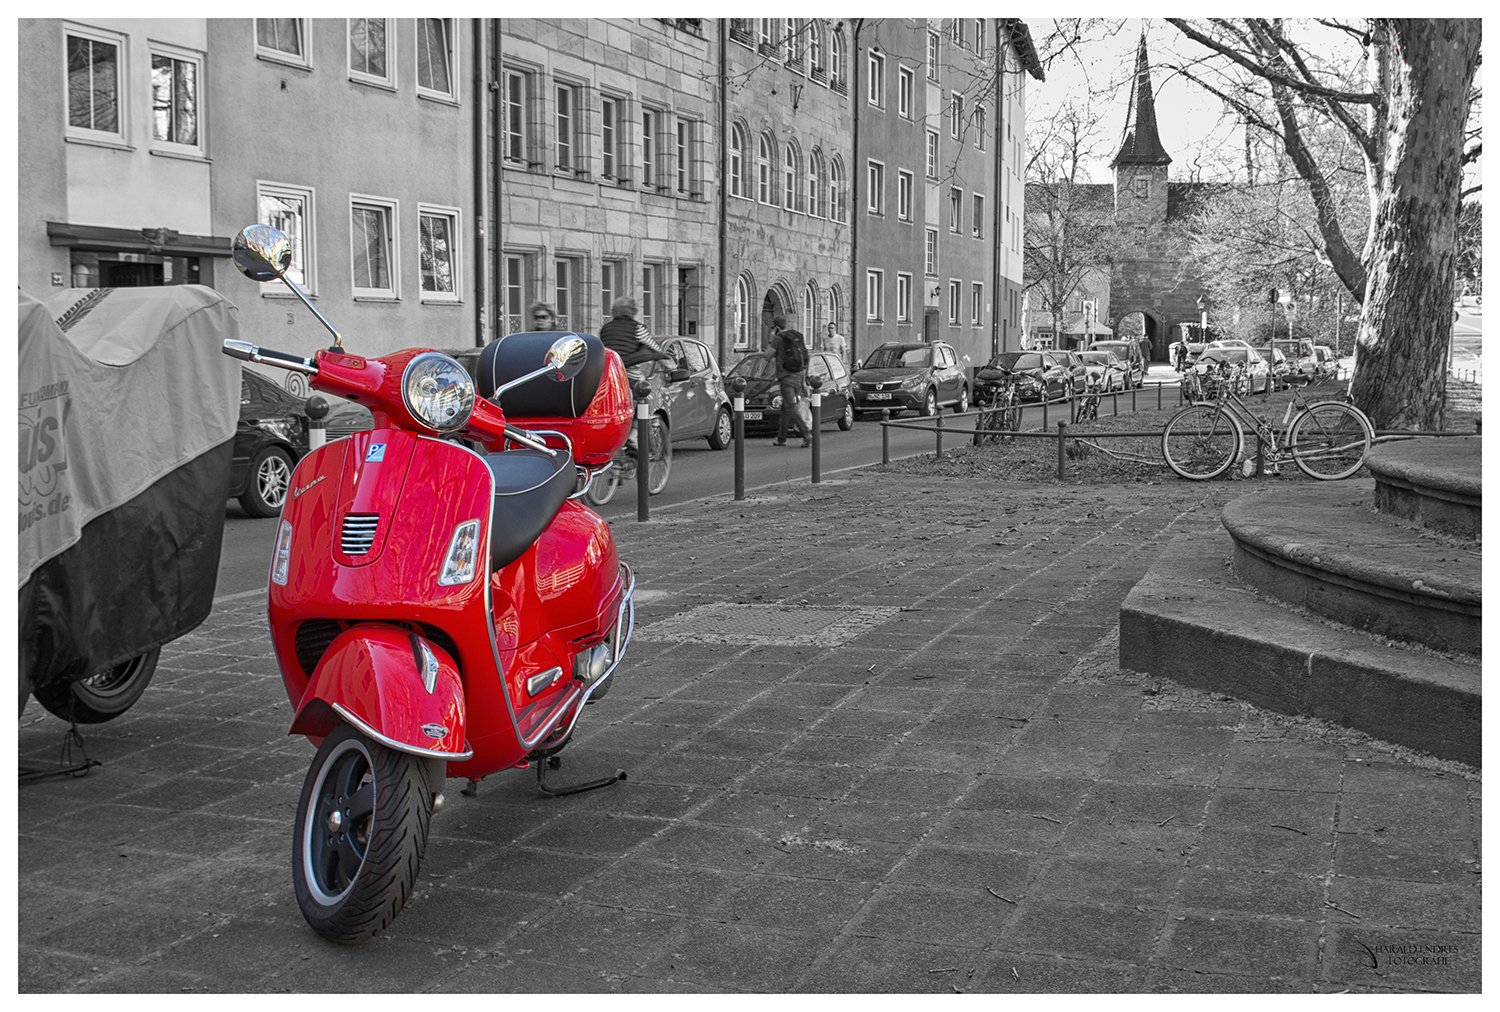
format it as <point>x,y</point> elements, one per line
<point>877,741</point>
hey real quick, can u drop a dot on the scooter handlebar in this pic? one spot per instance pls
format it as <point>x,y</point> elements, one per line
<point>247,352</point>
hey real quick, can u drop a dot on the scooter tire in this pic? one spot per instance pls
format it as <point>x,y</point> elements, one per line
<point>383,803</point>
<point>102,696</point>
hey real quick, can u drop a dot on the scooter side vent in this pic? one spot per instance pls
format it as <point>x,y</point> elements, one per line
<point>359,533</point>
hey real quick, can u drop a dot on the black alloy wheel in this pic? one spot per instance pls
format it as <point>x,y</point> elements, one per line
<point>270,478</point>
<point>102,696</point>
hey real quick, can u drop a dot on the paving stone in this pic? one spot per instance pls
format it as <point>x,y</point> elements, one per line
<point>1273,849</point>
<point>654,887</point>
<point>994,829</point>
<point>863,964</point>
<point>1156,803</point>
<point>1252,891</point>
<point>1083,929</point>
<point>963,917</point>
<point>1132,882</point>
<point>798,905</point>
<point>1424,859</point>
<point>1403,960</point>
<point>1055,796</point>
<point>1420,906</point>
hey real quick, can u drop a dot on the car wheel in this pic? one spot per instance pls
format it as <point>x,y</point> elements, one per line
<point>101,696</point>
<point>270,477</point>
<point>846,420</point>
<point>963,399</point>
<point>723,433</point>
<point>929,406</point>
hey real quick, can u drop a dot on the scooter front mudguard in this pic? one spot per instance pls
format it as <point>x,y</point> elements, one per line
<point>395,686</point>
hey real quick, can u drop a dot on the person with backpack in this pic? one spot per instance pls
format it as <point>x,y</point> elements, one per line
<point>790,351</point>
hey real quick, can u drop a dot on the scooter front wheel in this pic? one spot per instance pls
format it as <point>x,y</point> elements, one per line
<point>360,835</point>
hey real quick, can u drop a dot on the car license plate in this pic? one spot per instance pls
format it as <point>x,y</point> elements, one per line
<point>877,397</point>
<point>753,416</point>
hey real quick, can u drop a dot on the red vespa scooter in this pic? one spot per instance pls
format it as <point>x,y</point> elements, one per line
<point>437,612</point>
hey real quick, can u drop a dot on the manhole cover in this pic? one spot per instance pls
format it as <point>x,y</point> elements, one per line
<point>786,625</point>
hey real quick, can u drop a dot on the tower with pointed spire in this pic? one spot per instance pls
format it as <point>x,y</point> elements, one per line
<point>1141,165</point>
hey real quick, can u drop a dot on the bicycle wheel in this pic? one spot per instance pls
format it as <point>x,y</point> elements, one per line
<point>1329,440</point>
<point>602,488</point>
<point>659,456</point>
<point>1201,441</point>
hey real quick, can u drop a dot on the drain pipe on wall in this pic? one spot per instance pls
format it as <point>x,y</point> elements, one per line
<point>723,188</point>
<point>480,274</point>
<point>497,162</point>
<point>1000,295</point>
<point>854,174</point>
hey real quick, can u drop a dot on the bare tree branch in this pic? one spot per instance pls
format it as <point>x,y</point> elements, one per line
<point>1305,87</point>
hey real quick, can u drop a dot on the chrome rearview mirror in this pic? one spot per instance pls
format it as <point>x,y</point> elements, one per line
<point>566,357</point>
<point>262,253</point>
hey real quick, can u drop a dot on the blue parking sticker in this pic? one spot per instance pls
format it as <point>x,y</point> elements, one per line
<point>375,453</point>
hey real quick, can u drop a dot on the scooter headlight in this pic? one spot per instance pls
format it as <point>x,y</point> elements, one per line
<point>281,558</point>
<point>438,391</point>
<point>463,555</point>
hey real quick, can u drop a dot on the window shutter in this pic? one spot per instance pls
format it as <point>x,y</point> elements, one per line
<point>538,135</point>
<point>586,132</point>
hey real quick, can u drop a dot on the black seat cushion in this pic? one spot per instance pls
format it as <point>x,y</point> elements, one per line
<point>514,355</point>
<point>530,487</point>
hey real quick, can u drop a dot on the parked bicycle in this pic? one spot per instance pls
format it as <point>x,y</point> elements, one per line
<point>622,470</point>
<point>1086,407</point>
<point>1326,439</point>
<point>999,409</point>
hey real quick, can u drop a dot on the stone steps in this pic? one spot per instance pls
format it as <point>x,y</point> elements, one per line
<point>1324,547</point>
<point>1434,482</point>
<point>1192,620</point>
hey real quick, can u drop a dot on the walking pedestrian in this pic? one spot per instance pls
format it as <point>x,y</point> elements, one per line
<point>835,342</point>
<point>790,352</point>
<point>543,316</point>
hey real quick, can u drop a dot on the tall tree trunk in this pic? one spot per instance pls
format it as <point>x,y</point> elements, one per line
<point>1407,318</point>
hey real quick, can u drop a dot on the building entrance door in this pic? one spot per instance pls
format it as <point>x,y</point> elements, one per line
<point>689,300</point>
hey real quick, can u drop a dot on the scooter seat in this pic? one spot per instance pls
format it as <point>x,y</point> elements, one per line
<point>530,487</point>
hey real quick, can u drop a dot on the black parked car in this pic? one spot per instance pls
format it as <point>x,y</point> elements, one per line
<point>763,393</point>
<point>1039,376</point>
<point>914,376</point>
<point>272,436</point>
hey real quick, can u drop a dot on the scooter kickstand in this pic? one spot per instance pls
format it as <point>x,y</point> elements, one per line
<point>558,792</point>
<point>472,790</point>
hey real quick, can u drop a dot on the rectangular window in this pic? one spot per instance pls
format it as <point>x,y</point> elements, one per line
<point>685,181</point>
<point>372,244</point>
<point>981,125</point>
<point>289,209</point>
<point>438,259</point>
<point>611,284</point>
<point>934,46</point>
<point>930,253</point>
<point>957,28</point>
<point>517,285</point>
<point>976,303</point>
<point>515,117</point>
<point>874,293</point>
<point>648,148</point>
<point>283,40</point>
<point>565,278</point>
<point>877,80</point>
<point>651,276</point>
<point>932,154</point>
<point>903,298</point>
<point>94,87</point>
<point>877,188</point>
<point>904,91</point>
<point>955,295</point>
<point>609,123</point>
<point>956,116</point>
<point>371,60</point>
<point>977,225</point>
<point>955,210</point>
<point>978,36</point>
<point>174,99</point>
<point>903,195</point>
<point>567,128</point>
<point>437,59</point>
<point>1143,186</point>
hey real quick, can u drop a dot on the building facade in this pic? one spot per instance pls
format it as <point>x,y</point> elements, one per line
<point>116,155</point>
<point>940,106</point>
<point>439,176</point>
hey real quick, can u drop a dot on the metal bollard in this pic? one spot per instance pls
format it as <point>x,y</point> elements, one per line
<point>1158,396</point>
<point>642,451</point>
<point>1062,454</point>
<point>317,426</point>
<point>1044,406</point>
<point>885,436</point>
<point>815,401</point>
<point>940,433</point>
<point>739,384</point>
<point>1132,398</point>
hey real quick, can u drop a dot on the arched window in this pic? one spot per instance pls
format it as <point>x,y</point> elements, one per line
<point>815,44</point>
<point>789,177</point>
<point>741,313</point>
<point>833,311</point>
<point>763,170</point>
<point>809,309</point>
<point>817,185</point>
<point>836,59</point>
<point>737,161</point>
<point>836,206</point>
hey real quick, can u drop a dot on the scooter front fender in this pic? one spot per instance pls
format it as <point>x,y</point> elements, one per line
<point>392,684</point>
